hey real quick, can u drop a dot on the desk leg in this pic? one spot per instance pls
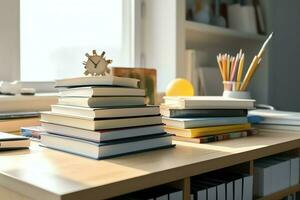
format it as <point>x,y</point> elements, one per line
<point>184,185</point>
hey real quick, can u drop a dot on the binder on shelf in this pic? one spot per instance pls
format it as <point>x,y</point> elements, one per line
<point>248,187</point>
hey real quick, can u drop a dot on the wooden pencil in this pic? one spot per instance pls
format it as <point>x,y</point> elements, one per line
<point>227,67</point>
<point>220,66</point>
<point>250,73</point>
<point>234,68</point>
<point>240,70</point>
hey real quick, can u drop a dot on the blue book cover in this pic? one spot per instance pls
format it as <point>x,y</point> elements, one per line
<point>203,122</point>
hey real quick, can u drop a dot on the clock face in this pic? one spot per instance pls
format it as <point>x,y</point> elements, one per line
<point>96,65</point>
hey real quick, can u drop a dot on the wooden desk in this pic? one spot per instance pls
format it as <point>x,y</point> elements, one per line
<point>41,173</point>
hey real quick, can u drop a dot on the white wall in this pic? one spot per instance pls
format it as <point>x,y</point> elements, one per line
<point>9,39</point>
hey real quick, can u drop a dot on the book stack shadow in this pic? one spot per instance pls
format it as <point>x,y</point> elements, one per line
<point>203,119</point>
<point>101,117</point>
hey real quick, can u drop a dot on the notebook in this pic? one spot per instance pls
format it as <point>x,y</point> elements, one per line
<point>208,102</point>
<point>97,81</point>
<point>10,141</point>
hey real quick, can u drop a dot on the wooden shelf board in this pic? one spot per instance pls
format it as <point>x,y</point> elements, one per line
<point>281,194</point>
<point>197,33</point>
<point>41,172</point>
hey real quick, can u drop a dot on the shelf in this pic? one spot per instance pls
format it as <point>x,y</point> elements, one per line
<point>198,33</point>
<point>281,194</point>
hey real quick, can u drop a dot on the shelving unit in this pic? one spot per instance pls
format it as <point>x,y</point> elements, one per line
<point>198,33</point>
<point>53,175</point>
<point>167,36</point>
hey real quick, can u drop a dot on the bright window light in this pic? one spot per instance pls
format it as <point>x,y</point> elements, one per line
<point>56,34</point>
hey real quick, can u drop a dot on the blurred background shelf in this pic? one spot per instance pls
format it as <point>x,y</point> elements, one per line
<point>204,34</point>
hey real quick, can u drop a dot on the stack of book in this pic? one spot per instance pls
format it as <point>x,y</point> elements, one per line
<point>206,119</point>
<point>102,117</point>
<point>278,120</point>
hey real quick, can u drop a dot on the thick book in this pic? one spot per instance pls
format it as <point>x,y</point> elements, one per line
<point>191,113</point>
<point>97,81</point>
<point>10,141</point>
<point>206,131</point>
<point>108,112</point>
<point>207,102</point>
<point>106,149</point>
<point>203,122</point>
<point>277,117</point>
<point>101,91</point>
<point>96,102</point>
<point>215,138</point>
<point>102,135</point>
<point>90,124</point>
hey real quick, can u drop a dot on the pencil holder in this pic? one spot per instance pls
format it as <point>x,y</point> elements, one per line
<point>231,85</point>
<point>231,89</point>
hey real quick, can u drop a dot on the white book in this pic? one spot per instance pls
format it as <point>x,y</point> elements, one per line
<point>99,102</point>
<point>221,192</point>
<point>238,189</point>
<point>207,102</point>
<point>280,174</point>
<point>90,124</point>
<point>102,135</point>
<point>101,91</point>
<point>203,121</point>
<point>108,112</point>
<point>97,81</point>
<point>278,127</point>
<point>10,141</point>
<point>176,195</point>
<point>229,190</point>
<point>294,162</point>
<point>107,149</point>
<point>201,194</point>
<point>248,188</point>
<point>277,117</point>
<point>212,193</point>
<point>294,167</point>
<point>162,197</point>
<point>262,178</point>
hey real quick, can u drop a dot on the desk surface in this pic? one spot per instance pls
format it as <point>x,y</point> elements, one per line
<point>41,172</point>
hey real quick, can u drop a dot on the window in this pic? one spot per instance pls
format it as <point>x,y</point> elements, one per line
<point>56,34</point>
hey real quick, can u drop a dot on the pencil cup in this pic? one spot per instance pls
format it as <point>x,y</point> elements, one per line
<point>231,89</point>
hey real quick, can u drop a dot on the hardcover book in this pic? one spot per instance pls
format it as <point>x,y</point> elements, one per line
<point>97,81</point>
<point>106,149</point>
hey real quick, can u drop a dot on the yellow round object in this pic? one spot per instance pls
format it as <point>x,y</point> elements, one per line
<point>180,87</point>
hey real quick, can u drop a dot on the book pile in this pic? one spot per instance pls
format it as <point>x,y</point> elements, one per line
<point>206,119</point>
<point>102,117</point>
<point>277,120</point>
